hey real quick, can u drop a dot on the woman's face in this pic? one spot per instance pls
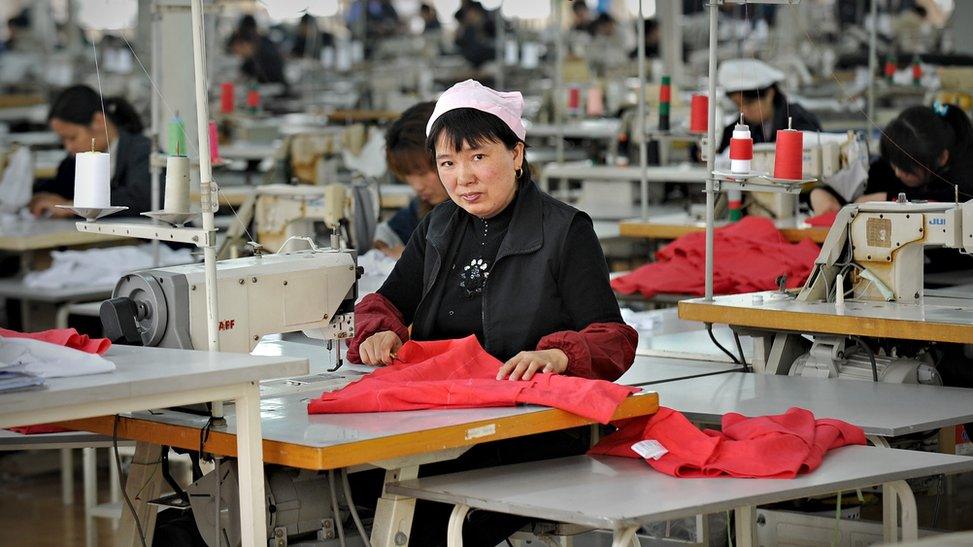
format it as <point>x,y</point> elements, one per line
<point>427,187</point>
<point>77,138</point>
<point>755,109</point>
<point>910,179</point>
<point>481,180</point>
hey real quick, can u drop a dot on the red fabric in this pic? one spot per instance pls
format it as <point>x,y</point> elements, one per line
<point>373,314</point>
<point>38,429</point>
<point>600,351</point>
<point>781,446</point>
<point>64,337</point>
<point>824,220</point>
<point>460,374</point>
<point>749,255</point>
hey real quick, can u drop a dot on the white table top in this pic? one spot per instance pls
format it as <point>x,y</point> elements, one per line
<point>604,128</point>
<point>249,150</point>
<point>151,371</point>
<point>49,233</point>
<point>663,334</point>
<point>881,409</point>
<point>560,489</point>
<point>654,370</point>
<point>584,170</point>
<point>15,288</point>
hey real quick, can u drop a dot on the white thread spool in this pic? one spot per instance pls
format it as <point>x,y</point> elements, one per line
<point>92,180</point>
<point>177,184</point>
<point>741,131</point>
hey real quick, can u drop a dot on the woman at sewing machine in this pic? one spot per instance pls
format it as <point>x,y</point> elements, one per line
<point>78,119</point>
<point>408,160</point>
<point>752,85</point>
<point>502,260</point>
<point>926,153</point>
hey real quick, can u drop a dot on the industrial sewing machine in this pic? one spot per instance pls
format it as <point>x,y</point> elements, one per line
<point>871,266</point>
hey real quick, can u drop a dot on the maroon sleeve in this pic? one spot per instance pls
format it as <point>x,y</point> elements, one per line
<point>375,313</point>
<point>600,351</point>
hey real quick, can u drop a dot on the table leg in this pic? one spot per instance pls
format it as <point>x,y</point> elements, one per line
<point>144,483</point>
<point>250,462</point>
<point>67,477</point>
<point>626,537</point>
<point>90,466</point>
<point>746,532</point>
<point>393,514</point>
<point>114,488</point>
<point>454,531</point>
<point>901,493</point>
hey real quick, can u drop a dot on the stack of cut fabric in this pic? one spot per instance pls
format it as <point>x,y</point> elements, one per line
<point>749,256</point>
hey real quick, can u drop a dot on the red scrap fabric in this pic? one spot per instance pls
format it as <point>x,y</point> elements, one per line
<point>824,220</point>
<point>781,446</point>
<point>64,337</point>
<point>749,256</point>
<point>460,374</point>
<point>39,429</point>
<point>600,351</point>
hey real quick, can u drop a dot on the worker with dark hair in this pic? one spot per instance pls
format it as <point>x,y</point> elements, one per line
<point>78,119</point>
<point>261,59</point>
<point>309,39</point>
<point>409,161</point>
<point>582,16</point>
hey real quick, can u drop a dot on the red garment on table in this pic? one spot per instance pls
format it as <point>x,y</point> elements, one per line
<point>749,256</point>
<point>824,220</point>
<point>64,337</point>
<point>781,446</point>
<point>460,374</point>
<point>600,351</point>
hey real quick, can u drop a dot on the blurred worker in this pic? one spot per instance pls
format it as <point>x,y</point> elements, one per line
<point>410,161</point>
<point>76,116</point>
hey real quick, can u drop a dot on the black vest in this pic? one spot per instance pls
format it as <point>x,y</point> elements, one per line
<point>521,301</point>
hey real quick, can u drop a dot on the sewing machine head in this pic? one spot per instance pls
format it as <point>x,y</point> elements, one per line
<point>312,291</point>
<point>877,248</point>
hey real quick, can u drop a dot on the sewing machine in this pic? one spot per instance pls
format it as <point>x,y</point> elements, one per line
<point>312,291</point>
<point>866,282</point>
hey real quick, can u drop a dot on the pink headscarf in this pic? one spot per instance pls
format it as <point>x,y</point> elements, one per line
<point>508,106</point>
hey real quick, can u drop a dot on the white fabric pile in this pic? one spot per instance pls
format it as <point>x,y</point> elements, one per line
<point>377,266</point>
<point>101,267</point>
<point>46,360</point>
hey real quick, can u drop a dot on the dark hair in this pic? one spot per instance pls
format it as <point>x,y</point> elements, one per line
<point>79,103</point>
<point>405,142</point>
<point>750,95</point>
<point>579,5</point>
<point>915,139</point>
<point>472,127</point>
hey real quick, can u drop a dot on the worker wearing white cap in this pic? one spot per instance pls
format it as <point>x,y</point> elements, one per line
<point>752,86</point>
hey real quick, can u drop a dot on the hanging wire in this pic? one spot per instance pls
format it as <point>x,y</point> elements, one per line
<point>101,97</point>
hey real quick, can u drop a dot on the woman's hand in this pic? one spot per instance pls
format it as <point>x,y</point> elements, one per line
<point>823,202</point>
<point>525,364</point>
<point>379,349</point>
<point>877,196</point>
<point>43,204</point>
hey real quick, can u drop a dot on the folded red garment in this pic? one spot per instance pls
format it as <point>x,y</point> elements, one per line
<point>64,337</point>
<point>461,374</point>
<point>781,446</point>
<point>824,220</point>
<point>38,429</point>
<point>749,256</point>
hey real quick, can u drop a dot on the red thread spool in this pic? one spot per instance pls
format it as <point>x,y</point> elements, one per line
<point>741,149</point>
<point>214,142</point>
<point>226,97</point>
<point>789,155</point>
<point>699,114</point>
<point>665,91</point>
<point>253,98</point>
<point>574,98</point>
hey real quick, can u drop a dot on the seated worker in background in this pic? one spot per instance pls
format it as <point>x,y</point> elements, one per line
<point>261,59</point>
<point>508,263</point>
<point>925,152</point>
<point>309,40</point>
<point>408,160</point>
<point>752,86</point>
<point>76,116</point>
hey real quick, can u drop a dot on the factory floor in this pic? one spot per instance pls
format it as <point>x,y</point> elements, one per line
<point>31,512</point>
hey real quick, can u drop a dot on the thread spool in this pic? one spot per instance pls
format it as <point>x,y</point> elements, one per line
<point>574,99</point>
<point>92,179</point>
<point>665,99</point>
<point>699,114</point>
<point>226,97</point>
<point>789,154</point>
<point>177,136</point>
<point>595,103</point>
<point>177,185</point>
<point>741,148</point>
<point>253,99</point>
<point>734,202</point>
<point>214,142</point>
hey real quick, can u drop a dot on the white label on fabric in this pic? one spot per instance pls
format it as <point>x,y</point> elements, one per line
<point>482,431</point>
<point>650,449</point>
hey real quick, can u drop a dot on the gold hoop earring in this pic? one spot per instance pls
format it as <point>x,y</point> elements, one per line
<point>518,173</point>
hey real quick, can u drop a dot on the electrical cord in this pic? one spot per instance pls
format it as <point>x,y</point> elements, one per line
<point>118,467</point>
<point>871,356</point>
<point>346,486</point>
<point>743,359</point>
<point>709,330</point>
<point>336,510</point>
